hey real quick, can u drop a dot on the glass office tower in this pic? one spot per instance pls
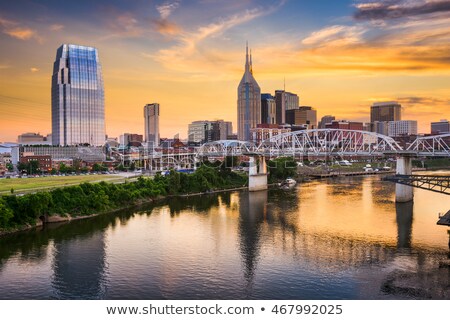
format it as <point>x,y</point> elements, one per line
<point>78,108</point>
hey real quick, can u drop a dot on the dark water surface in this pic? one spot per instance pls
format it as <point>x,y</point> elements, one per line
<point>338,239</point>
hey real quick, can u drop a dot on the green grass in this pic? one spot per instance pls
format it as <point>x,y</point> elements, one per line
<point>34,184</point>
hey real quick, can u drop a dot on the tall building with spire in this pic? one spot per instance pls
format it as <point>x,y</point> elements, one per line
<point>249,101</point>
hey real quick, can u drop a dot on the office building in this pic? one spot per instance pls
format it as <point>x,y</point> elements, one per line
<point>385,111</point>
<point>268,109</point>
<point>380,127</point>
<point>225,129</point>
<point>151,123</point>
<point>402,128</point>
<point>303,115</point>
<point>285,101</point>
<point>203,131</point>
<point>346,125</point>
<point>326,119</point>
<point>131,139</point>
<point>31,138</point>
<point>248,102</point>
<point>266,131</point>
<point>78,108</point>
<point>440,127</point>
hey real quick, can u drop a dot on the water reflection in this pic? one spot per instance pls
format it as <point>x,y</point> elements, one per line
<point>404,218</point>
<point>340,238</point>
<point>252,213</point>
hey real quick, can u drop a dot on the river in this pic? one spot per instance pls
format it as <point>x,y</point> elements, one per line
<point>342,238</point>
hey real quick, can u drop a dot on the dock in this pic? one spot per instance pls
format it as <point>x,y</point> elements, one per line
<point>444,220</point>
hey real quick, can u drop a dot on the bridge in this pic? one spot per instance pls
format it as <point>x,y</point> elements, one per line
<point>319,143</point>
<point>333,143</point>
<point>439,184</point>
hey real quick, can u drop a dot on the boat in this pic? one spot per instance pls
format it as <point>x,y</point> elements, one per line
<point>288,184</point>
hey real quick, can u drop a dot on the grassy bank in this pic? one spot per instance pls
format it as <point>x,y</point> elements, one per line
<point>31,184</point>
<point>85,199</point>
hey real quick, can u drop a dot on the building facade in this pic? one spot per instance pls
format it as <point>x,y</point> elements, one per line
<point>78,108</point>
<point>31,138</point>
<point>302,116</point>
<point>268,109</point>
<point>326,119</point>
<point>385,111</point>
<point>203,131</point>
<point>248,102</point>
<point>285,101</point>
<point>440,127</point>
<point>151,121</point>
<point>402,128</point>
<point>266,131</point>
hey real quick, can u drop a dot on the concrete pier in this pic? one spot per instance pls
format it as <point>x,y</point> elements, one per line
<point>404,167</point>
<point>257,173</point>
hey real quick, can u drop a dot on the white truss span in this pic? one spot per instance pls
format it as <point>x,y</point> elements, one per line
<point>226,148</point>
<point>334,142</point>
<point>438,146</point>
<point>329,142</point>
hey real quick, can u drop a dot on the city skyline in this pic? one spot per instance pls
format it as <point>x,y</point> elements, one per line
<point>350,55</point>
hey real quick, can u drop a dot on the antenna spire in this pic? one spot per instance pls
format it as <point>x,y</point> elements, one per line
<point>251,65</point>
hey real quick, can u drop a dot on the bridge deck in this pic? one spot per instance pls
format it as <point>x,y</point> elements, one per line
<point>444,220</point>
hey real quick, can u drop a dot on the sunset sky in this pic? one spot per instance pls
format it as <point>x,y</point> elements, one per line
<point>338,56</point>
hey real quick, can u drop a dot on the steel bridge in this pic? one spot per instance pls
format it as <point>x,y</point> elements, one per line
<point>439,184</point>
<point>329,142</point>
<point>317,143</point>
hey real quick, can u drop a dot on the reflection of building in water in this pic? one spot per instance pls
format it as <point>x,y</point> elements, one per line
<point>252,211</point>
<point>79,267</point>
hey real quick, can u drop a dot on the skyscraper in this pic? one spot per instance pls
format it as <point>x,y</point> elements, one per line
<point>385,111</point>
<point>285,101</point>
<point>249,101</point>
<point>78,107</point>
<point>268,109</point>
<point>151,119</point>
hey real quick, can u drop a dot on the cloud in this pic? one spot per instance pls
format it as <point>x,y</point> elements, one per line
<point>422,100</point>
<point>166,9</point>
<point>122,24</point>
<point>15,30</point>
<point>33,69</point>
<point>336,35</point>
<point>394,9</point>
<point>166,27</point>
<point>190,56</point>
<point>56,27</point>
<point>20,33</point>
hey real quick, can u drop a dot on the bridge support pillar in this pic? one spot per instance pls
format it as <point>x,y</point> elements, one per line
<point>257,173</point>
<point>404,193</point>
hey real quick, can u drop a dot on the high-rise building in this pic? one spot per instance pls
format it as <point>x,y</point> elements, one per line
<point>285,101</point>
<point>440,127</point>
<point>31,138</point>
<point>326,119</point>
<point>303,115</point>
<point>225,129</point>
<point>248,102</point>
<point>151,120</point>
<point>385,111</point>
<point>268,109</point>
<point>131,139</point>
<point>78,108</point>
<point>203,131</point>
<point>402,128</point>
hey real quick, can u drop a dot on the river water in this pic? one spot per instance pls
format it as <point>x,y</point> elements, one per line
<point>342,238</point>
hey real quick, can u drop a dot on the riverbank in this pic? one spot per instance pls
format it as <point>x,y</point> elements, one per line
<point>19,213</point>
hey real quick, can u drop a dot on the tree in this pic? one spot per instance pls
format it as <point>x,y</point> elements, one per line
<point>33,167</point>
<point>10,167</point>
